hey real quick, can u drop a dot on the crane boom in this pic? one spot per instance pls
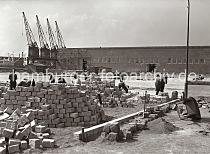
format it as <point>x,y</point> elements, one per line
<point>42,38</point>
<point>53,44</point>
<point>29,33</point>
<point>61,43</point>
<point>33,49</point>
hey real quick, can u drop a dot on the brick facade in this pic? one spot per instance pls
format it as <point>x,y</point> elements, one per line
<point>129,59</point>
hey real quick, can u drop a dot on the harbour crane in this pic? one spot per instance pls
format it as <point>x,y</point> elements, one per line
<point>53,44</point>
<point>33,49</point>
<point>61,43</point>
<point>44,47</point>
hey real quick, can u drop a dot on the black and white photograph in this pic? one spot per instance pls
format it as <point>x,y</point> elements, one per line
<point>104,76</point>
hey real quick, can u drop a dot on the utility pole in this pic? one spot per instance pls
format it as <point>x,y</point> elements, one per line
<point>187,49</point>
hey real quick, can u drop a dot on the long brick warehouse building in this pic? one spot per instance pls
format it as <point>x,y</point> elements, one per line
<point>138,59</point>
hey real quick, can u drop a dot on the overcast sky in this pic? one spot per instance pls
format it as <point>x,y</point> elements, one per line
<point>95,23</point>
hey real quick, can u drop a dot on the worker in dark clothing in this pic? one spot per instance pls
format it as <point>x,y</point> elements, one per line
<point>193,111</point>
<point>123,85</point>
<point>13,80</point>
<point>166,78</point>
<point>33,83</point>
<point>157,84</point>
<point>162,85</point>
<point>99,98</point>
<point>61,80</point>
<point>52,79</point>
<point>25,83</point>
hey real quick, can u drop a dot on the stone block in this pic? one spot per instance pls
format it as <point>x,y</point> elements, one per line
<point>3,150</point>
<point>46,135</point>
<point>128,135</point>
<point>23,120</point>
<point>74,115</point>
<point>13,149</point>
<point>8,110</point>
<point>107,129</point>
<point>23,145</point>
<point>30,116</point>
<point>115,127</point>
<point>33,135</point>
<point>3,124</point>
<point>28,104</point>
<point>14,141</point>
<point>112,136</point>
<point>45,107</point>
<point>48,143</point>
<point>2,141</point>
<point>40,128</point>
<point>61,125</point>
<point>27,129</point>
<point>35,143</point>
<point>18,135</point>
<point>8,133</point>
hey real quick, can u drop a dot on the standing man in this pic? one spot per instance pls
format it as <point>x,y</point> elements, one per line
<point>162,83</point>
<point>157,84</point>
<point>13,78</point>
<point>166,78</point>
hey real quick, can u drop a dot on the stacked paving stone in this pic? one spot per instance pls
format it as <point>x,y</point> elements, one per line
<point>126,131</point>
<point>55,105</point>
<point>163,97</point>
<point>20,131</point>
<point>111,95</point>
<point>115,132</point>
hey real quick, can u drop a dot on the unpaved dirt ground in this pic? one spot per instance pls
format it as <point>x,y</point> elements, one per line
<point>191,138</point>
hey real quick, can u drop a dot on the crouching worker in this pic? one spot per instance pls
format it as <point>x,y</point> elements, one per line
<point>25,83</point>
<point>123,86</point>
<point>192,108</point>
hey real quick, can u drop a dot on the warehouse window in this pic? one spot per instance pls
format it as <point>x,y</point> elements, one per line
<point>131,60</point>
<point>137,61</point>
<point>179,61</point>
<point>196,61</point>
<point>141,60</point>
<point>113,60</point>
<point>109,60</point>
<point>184,61</point>
<point>118,60</point>
<point>169,60</point>
<point>174,60</point>
<point>156,61</point>
<point>190,61</point>
<point>202,61</point>
<point>104,60</point>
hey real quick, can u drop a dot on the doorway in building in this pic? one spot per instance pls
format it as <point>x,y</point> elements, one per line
<point>151,68</point>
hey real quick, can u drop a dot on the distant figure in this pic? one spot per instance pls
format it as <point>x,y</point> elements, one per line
<point>166,78</point>
<point>99,98</point>
<point>123,85</point>
<point>157,84</point>
<point>33,83</point>
<point>25,83</point>
<point>86,76</point>
<point>52,79</point>
<point>61,80</point>
<point>162,84</point>
<point>76,81</point>
<point>13,80</point>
